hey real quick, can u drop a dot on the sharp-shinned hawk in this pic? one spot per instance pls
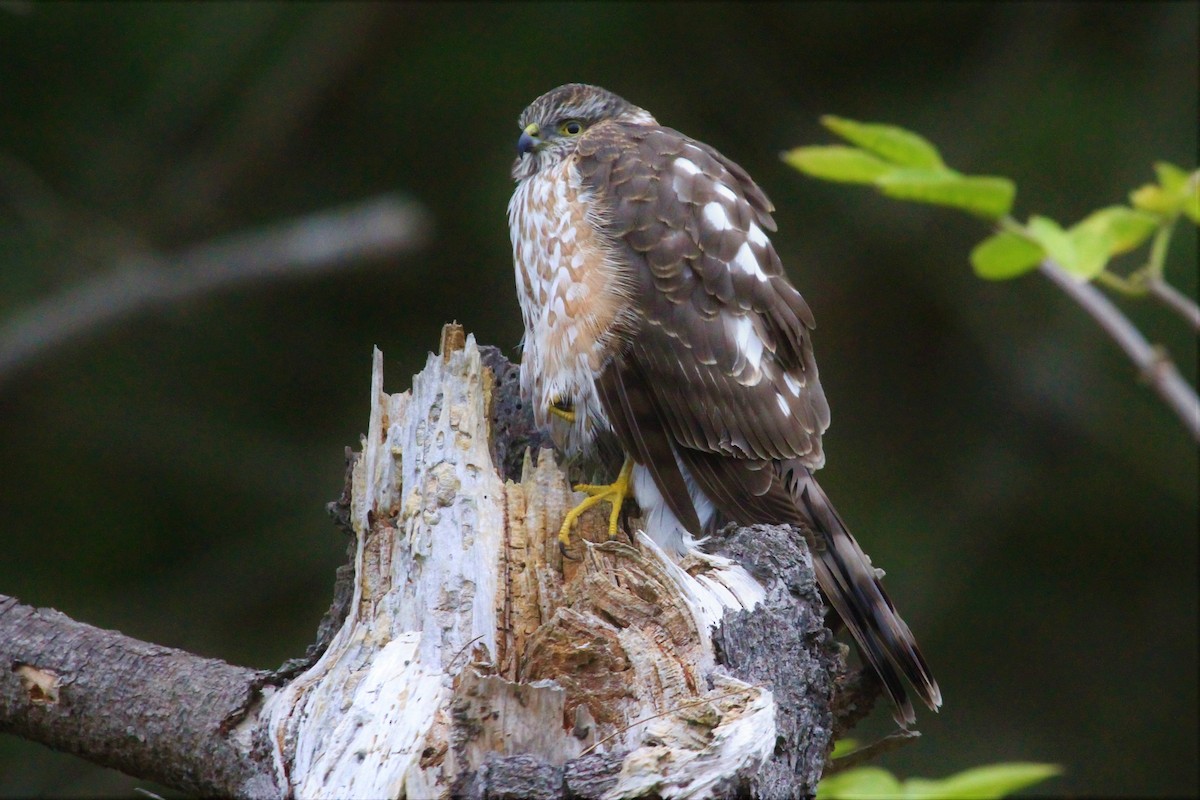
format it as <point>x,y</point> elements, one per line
<point>656,308</point>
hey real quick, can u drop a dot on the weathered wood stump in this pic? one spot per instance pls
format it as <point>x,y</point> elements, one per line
<point>475,660</point>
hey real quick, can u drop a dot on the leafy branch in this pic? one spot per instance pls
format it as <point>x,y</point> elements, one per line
<point>903,165</point>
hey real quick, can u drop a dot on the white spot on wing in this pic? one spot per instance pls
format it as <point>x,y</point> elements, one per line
<point>757,236</point>
<point>726,192</point>
<point>747,263</point>
<point>685,179</point>
<point>791,384</point>
<point>783,405</point>
<point>687,166</point>
<point>749,345</point>
<point>714,215</point>
<point>754,349</point>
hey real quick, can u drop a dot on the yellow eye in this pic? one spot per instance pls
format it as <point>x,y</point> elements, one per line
<point>571,127</point>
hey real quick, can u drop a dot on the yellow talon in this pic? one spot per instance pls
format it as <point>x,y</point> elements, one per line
<point>614,493</point>
<point>565,413</point>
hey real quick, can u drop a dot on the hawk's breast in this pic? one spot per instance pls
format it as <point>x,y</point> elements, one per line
<point>571,291</point>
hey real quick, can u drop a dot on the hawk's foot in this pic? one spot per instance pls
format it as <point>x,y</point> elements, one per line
<point>560,409</point>
<point>614,493</point>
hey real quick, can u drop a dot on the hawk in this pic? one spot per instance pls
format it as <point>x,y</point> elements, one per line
<point>657,310</point>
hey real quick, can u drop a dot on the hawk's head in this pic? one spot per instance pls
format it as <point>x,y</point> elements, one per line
<point>552,124</point>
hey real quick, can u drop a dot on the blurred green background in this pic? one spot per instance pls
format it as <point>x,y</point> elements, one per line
<point>1034,504</point>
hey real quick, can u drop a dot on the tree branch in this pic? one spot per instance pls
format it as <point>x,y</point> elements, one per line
<point>146,710</point>
<point>1175,300</point>
<point>1153,364</point>
<point>322,242</point>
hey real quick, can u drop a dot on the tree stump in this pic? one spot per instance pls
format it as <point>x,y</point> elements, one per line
<point>476,659</point>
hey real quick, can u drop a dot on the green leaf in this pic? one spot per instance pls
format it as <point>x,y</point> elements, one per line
<point>843,746</point>
<point>1057,244</point>
<point>1175,192</point>
<point>980,783</point>
<point>1005,255</point>
<point>1170,177</point>
<point>1092,247</point>
<point>859,784</point>
<point>837,163</point>
<point>894,144</point>
<point>1153,199</point>
<point>981,195</point>
<point>1126,227</point>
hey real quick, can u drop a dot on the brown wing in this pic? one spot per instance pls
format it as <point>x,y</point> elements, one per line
<point>721,338</point>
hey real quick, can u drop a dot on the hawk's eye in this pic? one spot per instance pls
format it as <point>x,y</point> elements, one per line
<point>571,127</point>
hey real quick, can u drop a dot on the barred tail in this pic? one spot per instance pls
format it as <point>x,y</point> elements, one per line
<point>850,584</point>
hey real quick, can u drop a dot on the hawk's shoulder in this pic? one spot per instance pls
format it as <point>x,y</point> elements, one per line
<point>625,158</point>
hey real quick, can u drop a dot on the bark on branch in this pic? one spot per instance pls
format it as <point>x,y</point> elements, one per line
<point>151,711</point>
<point>465,655</point>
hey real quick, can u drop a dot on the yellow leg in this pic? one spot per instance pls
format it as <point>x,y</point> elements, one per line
<point>614,493</point>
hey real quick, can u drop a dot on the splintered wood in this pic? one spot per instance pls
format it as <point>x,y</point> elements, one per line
<point>471,637</point>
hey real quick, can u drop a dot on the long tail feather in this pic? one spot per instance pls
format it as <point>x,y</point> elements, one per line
<point>852,588</point>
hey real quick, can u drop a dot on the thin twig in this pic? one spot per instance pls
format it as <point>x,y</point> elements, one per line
<point>322,242</point>
<point>870,751</point>
<point>671,710</point>
<point>1153,364</point>
<point>461,650</point>
<point>1175,300</point>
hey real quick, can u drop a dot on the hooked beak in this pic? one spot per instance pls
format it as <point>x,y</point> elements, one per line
<point>529,140</point>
